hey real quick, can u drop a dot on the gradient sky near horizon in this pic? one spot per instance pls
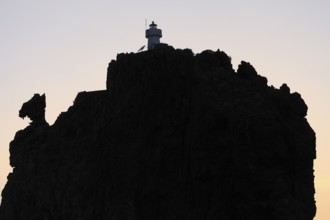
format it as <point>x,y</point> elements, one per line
<point>63,47</point>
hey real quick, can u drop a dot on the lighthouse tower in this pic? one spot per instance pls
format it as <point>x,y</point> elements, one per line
<point>153,34</point>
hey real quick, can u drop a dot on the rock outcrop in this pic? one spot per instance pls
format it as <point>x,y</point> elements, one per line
<point>174,136</point>
<point>34,109</point>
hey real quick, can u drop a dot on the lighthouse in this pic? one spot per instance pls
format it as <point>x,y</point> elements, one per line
<point>153,34</point>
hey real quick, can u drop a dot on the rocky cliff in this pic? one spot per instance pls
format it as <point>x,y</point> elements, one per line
<point>174,136</point>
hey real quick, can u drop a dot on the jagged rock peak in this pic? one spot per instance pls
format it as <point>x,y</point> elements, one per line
<point>34,109</point>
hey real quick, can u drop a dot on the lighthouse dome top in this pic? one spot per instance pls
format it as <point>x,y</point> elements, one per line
<point>153,25</point>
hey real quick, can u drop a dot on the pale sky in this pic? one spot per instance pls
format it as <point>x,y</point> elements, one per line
<point>62,47</point>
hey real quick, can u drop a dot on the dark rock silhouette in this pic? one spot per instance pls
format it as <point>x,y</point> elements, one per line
<point>23,145</point>
<point>174,136</point>
<point>246,70</point>
<point>35,110</point>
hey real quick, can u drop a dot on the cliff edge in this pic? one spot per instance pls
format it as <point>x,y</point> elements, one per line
<point>174,136</point>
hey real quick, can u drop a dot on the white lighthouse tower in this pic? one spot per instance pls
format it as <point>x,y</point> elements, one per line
<point>153,34</point>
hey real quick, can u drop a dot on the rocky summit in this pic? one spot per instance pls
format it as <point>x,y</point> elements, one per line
<point>174,136</point>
